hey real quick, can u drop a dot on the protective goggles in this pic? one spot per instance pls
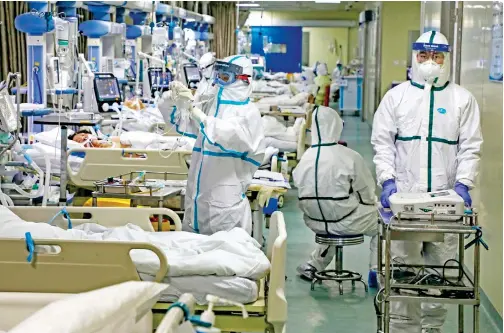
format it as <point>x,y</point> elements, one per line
<point>226,73</point>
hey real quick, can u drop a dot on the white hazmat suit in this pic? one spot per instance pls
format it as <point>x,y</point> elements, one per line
<point>426,136</point>
<point>227,152</point>
<point>206,91</point>
<point>336,189</point>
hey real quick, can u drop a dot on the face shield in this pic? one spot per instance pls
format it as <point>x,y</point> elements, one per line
<point>431,62</point>
<point>225,74</point>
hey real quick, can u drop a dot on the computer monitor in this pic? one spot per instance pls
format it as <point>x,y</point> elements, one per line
<point>158,80</point>
<point>192,75</point>
<point>107,90</point>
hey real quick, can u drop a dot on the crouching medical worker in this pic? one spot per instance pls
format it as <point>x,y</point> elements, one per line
<point>227,152</point>
<point>336,190</point>
<point>322,81</point>
<point>426,137</point>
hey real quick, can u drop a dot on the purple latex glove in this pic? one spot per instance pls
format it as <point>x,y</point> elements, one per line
<point>389,188</point>
<point>463,191</point>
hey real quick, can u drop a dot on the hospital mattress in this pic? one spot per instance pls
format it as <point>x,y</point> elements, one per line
<point>233,288</point>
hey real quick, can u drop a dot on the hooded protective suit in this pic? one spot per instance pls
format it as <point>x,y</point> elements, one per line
<point>206,91</point>
<point>427,136</point>
<point>336,189</point>
<point>227,152</point>
<point>322,81</point>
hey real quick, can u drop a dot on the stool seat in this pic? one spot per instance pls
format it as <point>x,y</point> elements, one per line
<point>339,240</point>
<point>338,274</point>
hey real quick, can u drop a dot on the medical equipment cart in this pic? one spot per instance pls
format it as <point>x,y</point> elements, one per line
<point>63,122</point>
<point>430,227</point>
<point>350,94</point>
<point>139,192</point>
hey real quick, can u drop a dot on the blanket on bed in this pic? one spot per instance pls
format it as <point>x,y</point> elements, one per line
<point>226,253</point>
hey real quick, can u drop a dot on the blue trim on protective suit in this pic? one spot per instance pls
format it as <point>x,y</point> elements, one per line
<point>172,120</point>
<point>227,102</point>
<point>228,153</point>
<point>242,156</point>
<point>234,58</point>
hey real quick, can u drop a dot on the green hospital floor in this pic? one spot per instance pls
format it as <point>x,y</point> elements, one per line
<point>324,310</point>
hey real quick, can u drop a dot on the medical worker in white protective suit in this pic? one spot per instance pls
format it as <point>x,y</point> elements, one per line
<point>227,152</point>
<point>336,190</point>
<point>206,91</point>
<point>426,137</point>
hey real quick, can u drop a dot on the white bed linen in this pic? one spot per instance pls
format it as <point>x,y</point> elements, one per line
<point>233,288</point>
<point>276,129</point>
<point>54,156</point>
<point>285,99</point>
<point>283,146</point>
<point>225,253</point>
<point>144,140</point>
<point>144,119</point>
<point>269,87</point>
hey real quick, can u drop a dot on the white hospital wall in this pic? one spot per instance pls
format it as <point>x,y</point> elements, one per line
<point>321,39</point>
<point>476,53</point>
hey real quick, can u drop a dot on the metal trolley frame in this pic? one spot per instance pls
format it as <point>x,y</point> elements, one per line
<point>127,190</point>
<point>428,228</point>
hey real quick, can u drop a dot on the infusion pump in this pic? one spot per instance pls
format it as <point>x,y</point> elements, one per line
<point>446,202</point>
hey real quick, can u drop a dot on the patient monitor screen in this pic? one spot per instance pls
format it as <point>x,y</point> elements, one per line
<point>107,89</point>
<point>192,73</point>
<point>255,61</point>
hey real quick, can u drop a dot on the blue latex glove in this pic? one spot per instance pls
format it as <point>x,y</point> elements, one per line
<point>463,191</point>
<point>389,188</point>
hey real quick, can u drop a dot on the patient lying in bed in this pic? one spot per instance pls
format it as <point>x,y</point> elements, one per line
<point>134,139</point>
<point>226,264</point>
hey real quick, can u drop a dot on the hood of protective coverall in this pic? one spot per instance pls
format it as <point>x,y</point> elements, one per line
<point>431,37</point>
<point>322,69</point>
<point>238,91</point>
<point>326,125</point>
<point>205,64</point>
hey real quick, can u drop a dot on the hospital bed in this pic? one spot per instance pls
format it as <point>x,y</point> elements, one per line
<point>101,163</point>
<point>130,314</point>
<point>87,265</point>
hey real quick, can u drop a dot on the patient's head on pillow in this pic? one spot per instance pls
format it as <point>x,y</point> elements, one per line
<point>80,136</point>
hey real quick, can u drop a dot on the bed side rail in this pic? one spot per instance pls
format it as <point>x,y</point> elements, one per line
<point>72,266</point>
<point>101,163</point>
<point>277,254</point>
<point>110,217</point>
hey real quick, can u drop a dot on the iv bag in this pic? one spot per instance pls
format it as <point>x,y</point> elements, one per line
<point>8,116</point>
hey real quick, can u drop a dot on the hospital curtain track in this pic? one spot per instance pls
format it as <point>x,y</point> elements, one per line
<point>224,42</point>
<point>12,42</point>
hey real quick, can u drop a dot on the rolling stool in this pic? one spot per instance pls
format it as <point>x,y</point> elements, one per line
<point>339,274</point>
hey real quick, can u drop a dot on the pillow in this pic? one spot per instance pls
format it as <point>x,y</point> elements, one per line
<point>101,310</point>
<point>51,138</point>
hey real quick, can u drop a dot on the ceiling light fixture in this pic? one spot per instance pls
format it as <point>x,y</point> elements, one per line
<point>327,1</point>
<point>247,5</point>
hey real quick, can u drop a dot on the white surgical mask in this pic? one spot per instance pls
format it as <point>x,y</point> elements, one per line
<point>429,70</point>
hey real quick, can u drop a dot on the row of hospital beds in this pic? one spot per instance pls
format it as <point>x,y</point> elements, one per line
<point>83,265</point>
